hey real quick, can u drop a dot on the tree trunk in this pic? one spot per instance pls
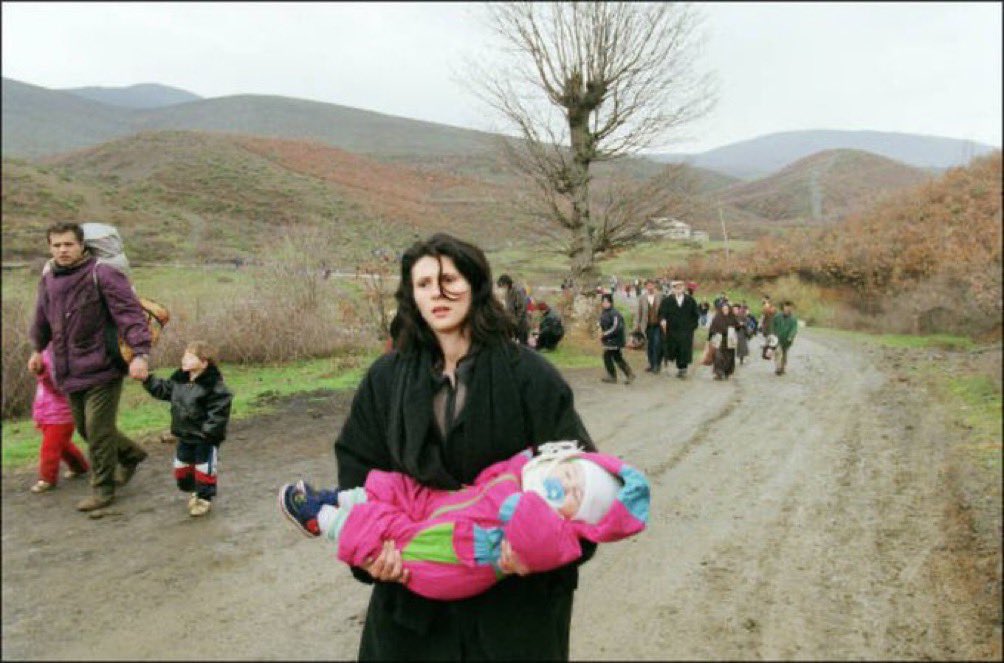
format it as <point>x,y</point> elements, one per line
<point>583,266</point>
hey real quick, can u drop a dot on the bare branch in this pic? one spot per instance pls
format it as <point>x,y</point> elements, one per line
<point>594,82</point>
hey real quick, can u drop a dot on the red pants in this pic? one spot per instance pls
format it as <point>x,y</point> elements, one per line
<point>57,444</point>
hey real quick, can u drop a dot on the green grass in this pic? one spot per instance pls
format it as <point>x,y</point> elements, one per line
<point>908,341</point>
<point>164,284</point>
<point>256,389</point>
<point>569,355</point>
<point>655,258</point>
<point>539,267</point>
<point>980,408</point>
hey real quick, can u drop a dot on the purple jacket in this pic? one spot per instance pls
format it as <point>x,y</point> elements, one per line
<point>72,314</point>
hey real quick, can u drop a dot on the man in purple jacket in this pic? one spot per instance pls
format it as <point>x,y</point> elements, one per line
<point>82,305</point>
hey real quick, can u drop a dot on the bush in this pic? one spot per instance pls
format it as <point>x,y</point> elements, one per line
<point>18,382</point>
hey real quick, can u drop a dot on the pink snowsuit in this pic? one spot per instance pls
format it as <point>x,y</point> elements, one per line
<point>450,540</point>
<point>52,415</point>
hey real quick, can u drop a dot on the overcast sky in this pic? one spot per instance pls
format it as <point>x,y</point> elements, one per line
<point>928,68</point>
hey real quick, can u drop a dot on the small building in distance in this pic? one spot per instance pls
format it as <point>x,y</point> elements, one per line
<point>667,227</point>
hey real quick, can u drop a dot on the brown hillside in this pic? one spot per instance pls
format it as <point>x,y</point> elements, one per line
<point>825,186</point>
<point>425,200</point>
<point>193,196</point>
<point>936,247</point>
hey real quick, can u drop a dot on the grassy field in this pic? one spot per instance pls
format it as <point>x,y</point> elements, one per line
<point>256,391</point>
<point>942,341</point>
<point>539,267</point>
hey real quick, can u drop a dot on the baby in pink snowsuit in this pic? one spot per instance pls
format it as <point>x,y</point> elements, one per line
<point>450,541</point>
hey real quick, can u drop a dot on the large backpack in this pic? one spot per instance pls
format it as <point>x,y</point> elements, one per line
<point>105,244</point>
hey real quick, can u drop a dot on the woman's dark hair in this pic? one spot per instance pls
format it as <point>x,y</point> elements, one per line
<point>488,321</point>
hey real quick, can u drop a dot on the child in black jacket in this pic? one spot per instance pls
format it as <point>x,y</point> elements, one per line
<point>200,411</point>
<point>612,337</point>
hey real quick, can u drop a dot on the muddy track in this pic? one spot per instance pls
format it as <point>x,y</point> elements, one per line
<point>794,517</point>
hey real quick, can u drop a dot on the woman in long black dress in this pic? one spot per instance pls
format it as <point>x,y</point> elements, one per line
<point>725,354</point>
<point>456,395</point>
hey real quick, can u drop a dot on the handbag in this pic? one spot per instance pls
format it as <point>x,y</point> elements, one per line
<point>709,354</point>
<point>769,347</point>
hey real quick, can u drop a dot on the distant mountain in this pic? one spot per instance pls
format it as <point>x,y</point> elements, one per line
<point>824,186</point>
<point>39,122</point>
<point>763,155</point>
<point>144,95</point>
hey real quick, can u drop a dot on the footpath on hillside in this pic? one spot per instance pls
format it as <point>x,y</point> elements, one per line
<point>808,516</point>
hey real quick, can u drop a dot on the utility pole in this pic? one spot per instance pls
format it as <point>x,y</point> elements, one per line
<point>725,235</point>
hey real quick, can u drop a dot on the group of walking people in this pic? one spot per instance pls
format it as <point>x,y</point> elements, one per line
<point>87,319</point>
<point>469,491</point>
<point>666,323</point>
<point>458,409</point>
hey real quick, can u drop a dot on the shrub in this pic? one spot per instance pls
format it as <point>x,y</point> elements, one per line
<point>18,382</point>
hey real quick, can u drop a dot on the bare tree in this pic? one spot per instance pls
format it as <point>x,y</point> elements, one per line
<point>591,82</point>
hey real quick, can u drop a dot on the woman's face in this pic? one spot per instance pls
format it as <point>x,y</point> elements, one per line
<point>443,315</point>
<point>725,309</point>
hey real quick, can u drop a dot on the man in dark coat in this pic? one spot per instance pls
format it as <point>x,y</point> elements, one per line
<point>516,306</point>
<point>678,316</point>
<point>80,306</point>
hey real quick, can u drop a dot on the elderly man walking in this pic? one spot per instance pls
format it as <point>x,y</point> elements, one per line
<point>678,316</point>
<point>81,306</point>
<point>647,319</point>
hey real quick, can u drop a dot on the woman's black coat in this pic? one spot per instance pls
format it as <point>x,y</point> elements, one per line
<point>515,399</point>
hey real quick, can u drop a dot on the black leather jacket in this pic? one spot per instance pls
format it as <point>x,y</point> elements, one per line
<point>200,408</point>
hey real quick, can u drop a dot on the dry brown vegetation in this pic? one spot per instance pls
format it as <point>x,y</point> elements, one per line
<point>824,186</point>
<point>290,312</point>
<point>927,259</point>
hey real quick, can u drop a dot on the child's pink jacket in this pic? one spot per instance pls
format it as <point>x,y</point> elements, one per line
<point>51,405</point>
<point>450,540</point>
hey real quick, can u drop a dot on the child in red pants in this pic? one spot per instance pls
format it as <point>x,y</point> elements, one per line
<point>52,415</point>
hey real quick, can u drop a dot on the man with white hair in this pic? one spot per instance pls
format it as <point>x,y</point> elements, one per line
<point>678,316</point>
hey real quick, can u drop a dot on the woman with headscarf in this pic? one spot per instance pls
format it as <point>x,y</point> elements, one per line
<point>454,396</point>
<point>723,334</point>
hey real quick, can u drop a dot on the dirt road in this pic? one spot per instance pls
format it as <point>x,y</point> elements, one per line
<point>793,518</point>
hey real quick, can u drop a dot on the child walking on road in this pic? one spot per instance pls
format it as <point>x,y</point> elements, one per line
<point>614,339</point>
<point>52,415</point>
<point>200,412</point>
<point>533,507</point>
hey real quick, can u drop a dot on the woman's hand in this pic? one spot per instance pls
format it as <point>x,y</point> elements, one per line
<point>509,562</point>
<point>388,565</point>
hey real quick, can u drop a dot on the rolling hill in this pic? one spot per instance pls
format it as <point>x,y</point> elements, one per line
<point>758,157</point>
<point>929,255</point>
<point>823,187</point>
<point>40,122</point>
<point>200,196</point>
<point>144,95</point>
